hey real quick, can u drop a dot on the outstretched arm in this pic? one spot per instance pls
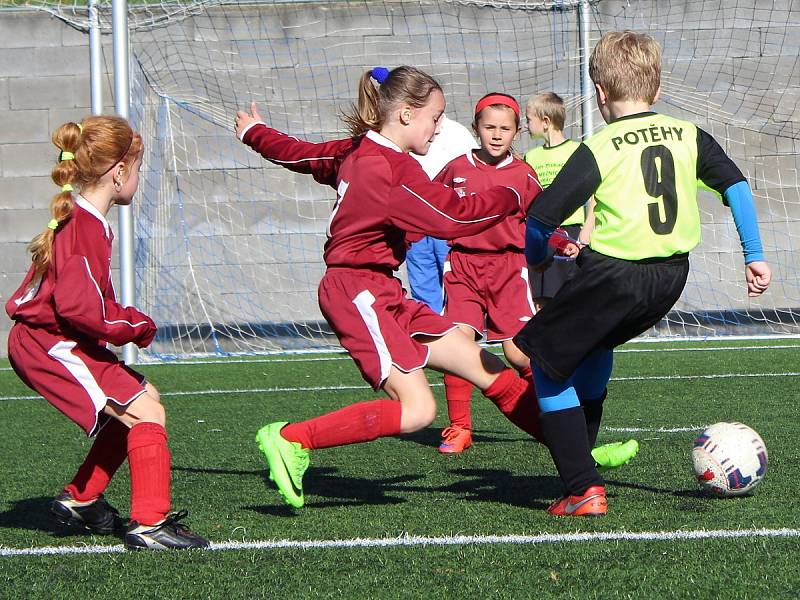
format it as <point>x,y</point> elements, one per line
<point>420,206</point>
<point>322,160</point>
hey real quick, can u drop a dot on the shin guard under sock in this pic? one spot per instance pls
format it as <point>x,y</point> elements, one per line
<point>593,411</point>
<point>107,453</point>
<point>458,392</point>
<point>566,438</point>
<point>149,460</point>
<point>360,422</point>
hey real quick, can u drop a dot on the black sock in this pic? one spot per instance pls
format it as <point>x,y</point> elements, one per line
<point>593,411</point>
<point>568,442</point>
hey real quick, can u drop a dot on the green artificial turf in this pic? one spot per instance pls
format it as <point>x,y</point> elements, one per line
<point>399,487</point>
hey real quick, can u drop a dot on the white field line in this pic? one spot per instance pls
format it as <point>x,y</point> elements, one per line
<point>455,540</point>
<point>655,429</point>
<point>314,356</point>
<point>331,388</point>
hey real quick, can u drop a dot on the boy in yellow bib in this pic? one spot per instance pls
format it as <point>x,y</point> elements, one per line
<point>546,115</point>
<point>643,170</point>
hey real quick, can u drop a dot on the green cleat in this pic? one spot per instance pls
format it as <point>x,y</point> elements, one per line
<point>615,454</point>
<point>287,461</point>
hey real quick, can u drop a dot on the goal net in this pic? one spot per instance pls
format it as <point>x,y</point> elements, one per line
<point>228,247</point>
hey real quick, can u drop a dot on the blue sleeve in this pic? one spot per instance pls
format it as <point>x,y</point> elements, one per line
<point>536,236</point>
<point>740,199</point>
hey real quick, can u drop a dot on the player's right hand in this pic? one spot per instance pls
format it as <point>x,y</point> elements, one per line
<point>244,119</point>
<point>758,275</point>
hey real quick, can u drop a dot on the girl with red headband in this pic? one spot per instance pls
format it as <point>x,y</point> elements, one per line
<point>383,198</point>
<point>486,276</point>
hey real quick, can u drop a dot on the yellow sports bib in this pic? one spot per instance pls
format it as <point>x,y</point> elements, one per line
<point>547,162</point>
<point>647,199</point>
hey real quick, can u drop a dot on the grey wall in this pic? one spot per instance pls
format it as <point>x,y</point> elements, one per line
<point>44,81</point>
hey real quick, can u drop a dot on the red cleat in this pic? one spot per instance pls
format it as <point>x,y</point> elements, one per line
<point>455,440</point>
<point>592,503</point>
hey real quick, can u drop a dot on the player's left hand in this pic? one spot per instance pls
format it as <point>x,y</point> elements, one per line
<point>758,275</point>
<point>570,250</point>
<point>244,119</point>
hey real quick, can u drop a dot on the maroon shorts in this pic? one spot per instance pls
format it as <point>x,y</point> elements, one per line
<point>376,323</point>
<point>78,379</point>
<point>488,292</point>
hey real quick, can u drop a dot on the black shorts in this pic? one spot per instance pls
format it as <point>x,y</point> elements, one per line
<point>548,282</point>
<point>607,303</point>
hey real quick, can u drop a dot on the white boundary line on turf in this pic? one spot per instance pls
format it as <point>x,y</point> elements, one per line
<point>455,540</point>
<point>316,358</point>
<point>712,376</point>
<point>335,388</point>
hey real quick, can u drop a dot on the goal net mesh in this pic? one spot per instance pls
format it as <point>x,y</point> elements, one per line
<point>228,247</point>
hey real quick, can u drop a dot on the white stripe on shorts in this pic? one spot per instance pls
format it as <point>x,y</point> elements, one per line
<point>364,302</point>
<point>528,292</point>
<point>62,352</point>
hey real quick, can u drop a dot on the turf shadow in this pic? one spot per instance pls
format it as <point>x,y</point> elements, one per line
<point>332,490</point>
<point>326,489</point>
<point>432,437</point>
<point>692,494</point>
<point>693,500</point>
<point>504,487</point>
<point>34,514</point>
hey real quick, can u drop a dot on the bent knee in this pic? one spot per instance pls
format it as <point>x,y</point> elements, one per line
<point>153,392</point>
<point>417,416</point>
<point>147,408</point>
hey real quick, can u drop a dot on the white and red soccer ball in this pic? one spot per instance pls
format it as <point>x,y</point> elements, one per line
<point>730,459</point>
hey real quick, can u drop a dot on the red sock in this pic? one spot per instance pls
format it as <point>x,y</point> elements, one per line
<point>526,373</point>
<point>148,457</point>
<point>516,399</point>
<point>458,392</point>
<point>360,422</point>
<point>109,449</point>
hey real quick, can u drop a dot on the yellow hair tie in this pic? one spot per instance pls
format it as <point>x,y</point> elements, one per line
<point>80,127</point>
<point>66,188</point>
<point>66,155</point>
<point>53,224</point>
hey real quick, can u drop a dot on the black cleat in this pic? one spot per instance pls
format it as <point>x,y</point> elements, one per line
<point>169,534</point>
<point>98,516</point>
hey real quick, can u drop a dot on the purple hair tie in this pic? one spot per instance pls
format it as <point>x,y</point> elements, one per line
<point>380,74</point>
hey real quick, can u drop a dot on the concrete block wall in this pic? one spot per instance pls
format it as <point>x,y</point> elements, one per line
<point>267,50</point>
<point>44,81</point>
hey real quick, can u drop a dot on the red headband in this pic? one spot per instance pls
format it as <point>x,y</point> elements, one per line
<point>497,99</point>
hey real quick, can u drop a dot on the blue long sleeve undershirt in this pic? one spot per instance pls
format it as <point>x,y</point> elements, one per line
<point>738,197</point>
<point>536,236</point>
<point>740,200</point>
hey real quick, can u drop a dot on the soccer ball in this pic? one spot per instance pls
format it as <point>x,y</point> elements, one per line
<point>730,459</point>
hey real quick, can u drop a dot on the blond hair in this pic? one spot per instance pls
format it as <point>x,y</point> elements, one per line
<point>550,105</point>
<point>628,66</point>
<point>86,153</point>
<point>403,85</point>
